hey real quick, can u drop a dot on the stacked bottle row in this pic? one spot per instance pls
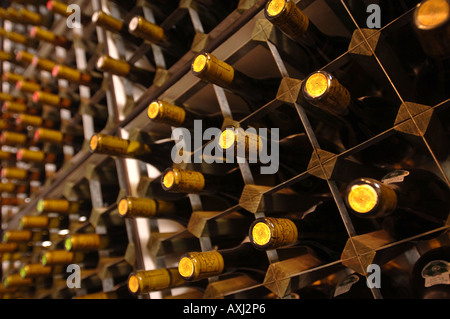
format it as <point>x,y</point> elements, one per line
<point>356,175</point>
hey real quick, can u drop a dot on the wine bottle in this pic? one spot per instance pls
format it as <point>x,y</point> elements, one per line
<point>28,86</point>
<point>323,230</point>
<point>146,281</point>
<point>17,236</point>
<point>179,210</point>
<point>156,154</point>
<point>44,135</point>
<point>164,112</point>
<point>408,202</point>
<point>122,68</point>
<point>43,64</point>
<point>431,22</point>
<point>110,23</point>
<point>200,265</point>
<point>256,92</point>
<point>91,79</point>
<point>24,57</point>
<point>14,188</point>
<point>13,138</point>
<point>286,16</point>
<point>64,206</point>
<point>35,18</point>
<point>19,107</point>
<point>359,120</point>
<point>35,270</point>
<point>21,174</point>
<point>19,38</point>
<point>15,280</point>
<point>48,36</point>
<point>59,257</point>
<point>61,101</point>
<point>115,244</point>
<point>63,10</point>
<point>430,275</point>
<point>44,221</point>
<point>170,41</point>
<point>194,182</point>
<point>50,121</point>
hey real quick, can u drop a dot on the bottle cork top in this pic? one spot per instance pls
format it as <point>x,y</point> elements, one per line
<point>431,14</point>
<point>362,198</point>
<point>275,7</point>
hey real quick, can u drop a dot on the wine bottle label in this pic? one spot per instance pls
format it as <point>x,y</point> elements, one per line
<point>144,29</point>
<point>199,265</point>
<point>184,181</point>
<point>272,233</point>
<point>34,270</point>
<point>30,156</point>
<point>31,120</point>
<point>17,235</point>
<point>345,285</point>
<point>107,21</point>
<point>14,173</point>
<point>79,242</point>
<point>29,222</point>
<point>12,138</point>
<point>209,68</point>
<point>287,17</point>
<point>57,257</point>
<point>397,176</point>
<point>436,272</point>
<point>164,112</point>
<point>154,280</point>
<point>47,135</point>
<point>324,91</point>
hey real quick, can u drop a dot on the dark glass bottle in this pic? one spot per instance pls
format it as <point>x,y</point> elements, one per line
<point>200,265</point>
<point>122,68</point>
<point>360,119</point>
<point>408,202</point>
<point>156,154</point>
<point>430,277</point>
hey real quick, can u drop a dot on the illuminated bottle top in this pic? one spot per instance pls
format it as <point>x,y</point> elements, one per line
<point>271,233</point>
<point>323,90</point>
<point>146,30</point>
<point>287,17</point>
<point>185,181</point>
<point>145,281</point>
<point>431,21</point>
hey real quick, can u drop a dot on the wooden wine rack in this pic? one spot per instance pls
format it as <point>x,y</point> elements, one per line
<point>246,40</point>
